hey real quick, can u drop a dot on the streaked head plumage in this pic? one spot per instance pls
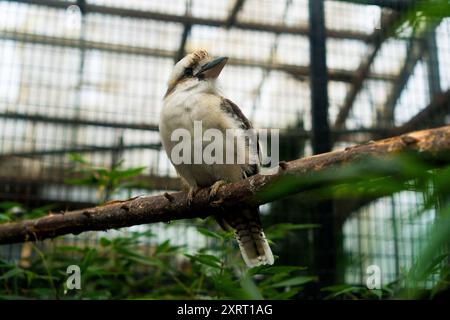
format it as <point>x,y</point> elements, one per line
<point>195,67</point>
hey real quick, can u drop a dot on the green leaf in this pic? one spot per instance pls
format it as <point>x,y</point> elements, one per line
<point>435,264</point>
<point>88,259</point>
<point>346,289</point>
<point>7,205</point>
<point>12,273</point>
<point>65,249</point>
<point>78,158</point>
<point>296,281</point>
<point>129,173</point>
<point>208,233</point>
<point>286,294</point>
<point>137,235</point>
<point>336,288</point>
<point>274,269</point>
<point>102,172</point>
<point>39,212</point>
<point>226,286</point>
<point>6,264</point>
<point>250,289</point>
<point>4,218</point>
<point>105,241</point>
<point>126,252</point>
<point>148,261</point>
<point>206,259</point>
<point>378,293</point>
<point>163,247</point>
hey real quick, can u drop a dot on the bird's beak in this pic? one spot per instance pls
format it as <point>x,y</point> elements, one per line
<point>213,68</point>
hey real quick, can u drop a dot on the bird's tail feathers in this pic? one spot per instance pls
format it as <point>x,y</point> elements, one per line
<point>254,247</point>
<point>250,236</point>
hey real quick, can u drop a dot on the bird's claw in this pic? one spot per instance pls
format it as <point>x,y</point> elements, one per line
<point>214,189</point>
<point>217,203</point>
<point>191,195</point>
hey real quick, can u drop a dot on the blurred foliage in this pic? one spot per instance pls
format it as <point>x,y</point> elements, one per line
<point>12,211</point>
<point>373,178</point>
<point>120,268</point>
<point>108,181</point>
<point>417,14</point>
<point>424,13</point>
<point>135,265</point>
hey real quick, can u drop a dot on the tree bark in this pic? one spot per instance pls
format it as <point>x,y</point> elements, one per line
<point>433,144</point>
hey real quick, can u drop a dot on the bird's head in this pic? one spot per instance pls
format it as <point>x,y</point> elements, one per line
<point>196,70</point>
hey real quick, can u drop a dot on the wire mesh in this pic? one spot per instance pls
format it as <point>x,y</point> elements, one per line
<point>89,77</point>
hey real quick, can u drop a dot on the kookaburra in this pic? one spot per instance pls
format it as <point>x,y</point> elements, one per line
<point>192,96</point>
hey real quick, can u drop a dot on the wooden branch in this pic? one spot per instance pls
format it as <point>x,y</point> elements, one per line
<point>434,143</point>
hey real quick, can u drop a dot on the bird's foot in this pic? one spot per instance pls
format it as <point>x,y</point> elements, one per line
<point>191,194</point>
<point>282,166</point>
<point>217,203</point>
<point>215,188</point>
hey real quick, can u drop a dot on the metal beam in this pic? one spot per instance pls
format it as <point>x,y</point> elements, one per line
<point>231,20</point>
<point>182,47</point>
<point>273,53</point>
<point>89,45</point>
<point>435,114</point>
<point>77,122</point>
<point>294,70</point>
<point>415,50</point>
<point>80,74</point>
<point>319,79</point>
<point>391,4</point>
<point>159,16</point>
<point>361,74</point>
<point>80,149</point>
<point>325,260</point>
<point>432,60</point>
<point>185,35</point>
<point>339,135</point>
<point>58,176</point>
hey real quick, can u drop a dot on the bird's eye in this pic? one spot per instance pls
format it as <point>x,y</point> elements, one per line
<point>188,72</point>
